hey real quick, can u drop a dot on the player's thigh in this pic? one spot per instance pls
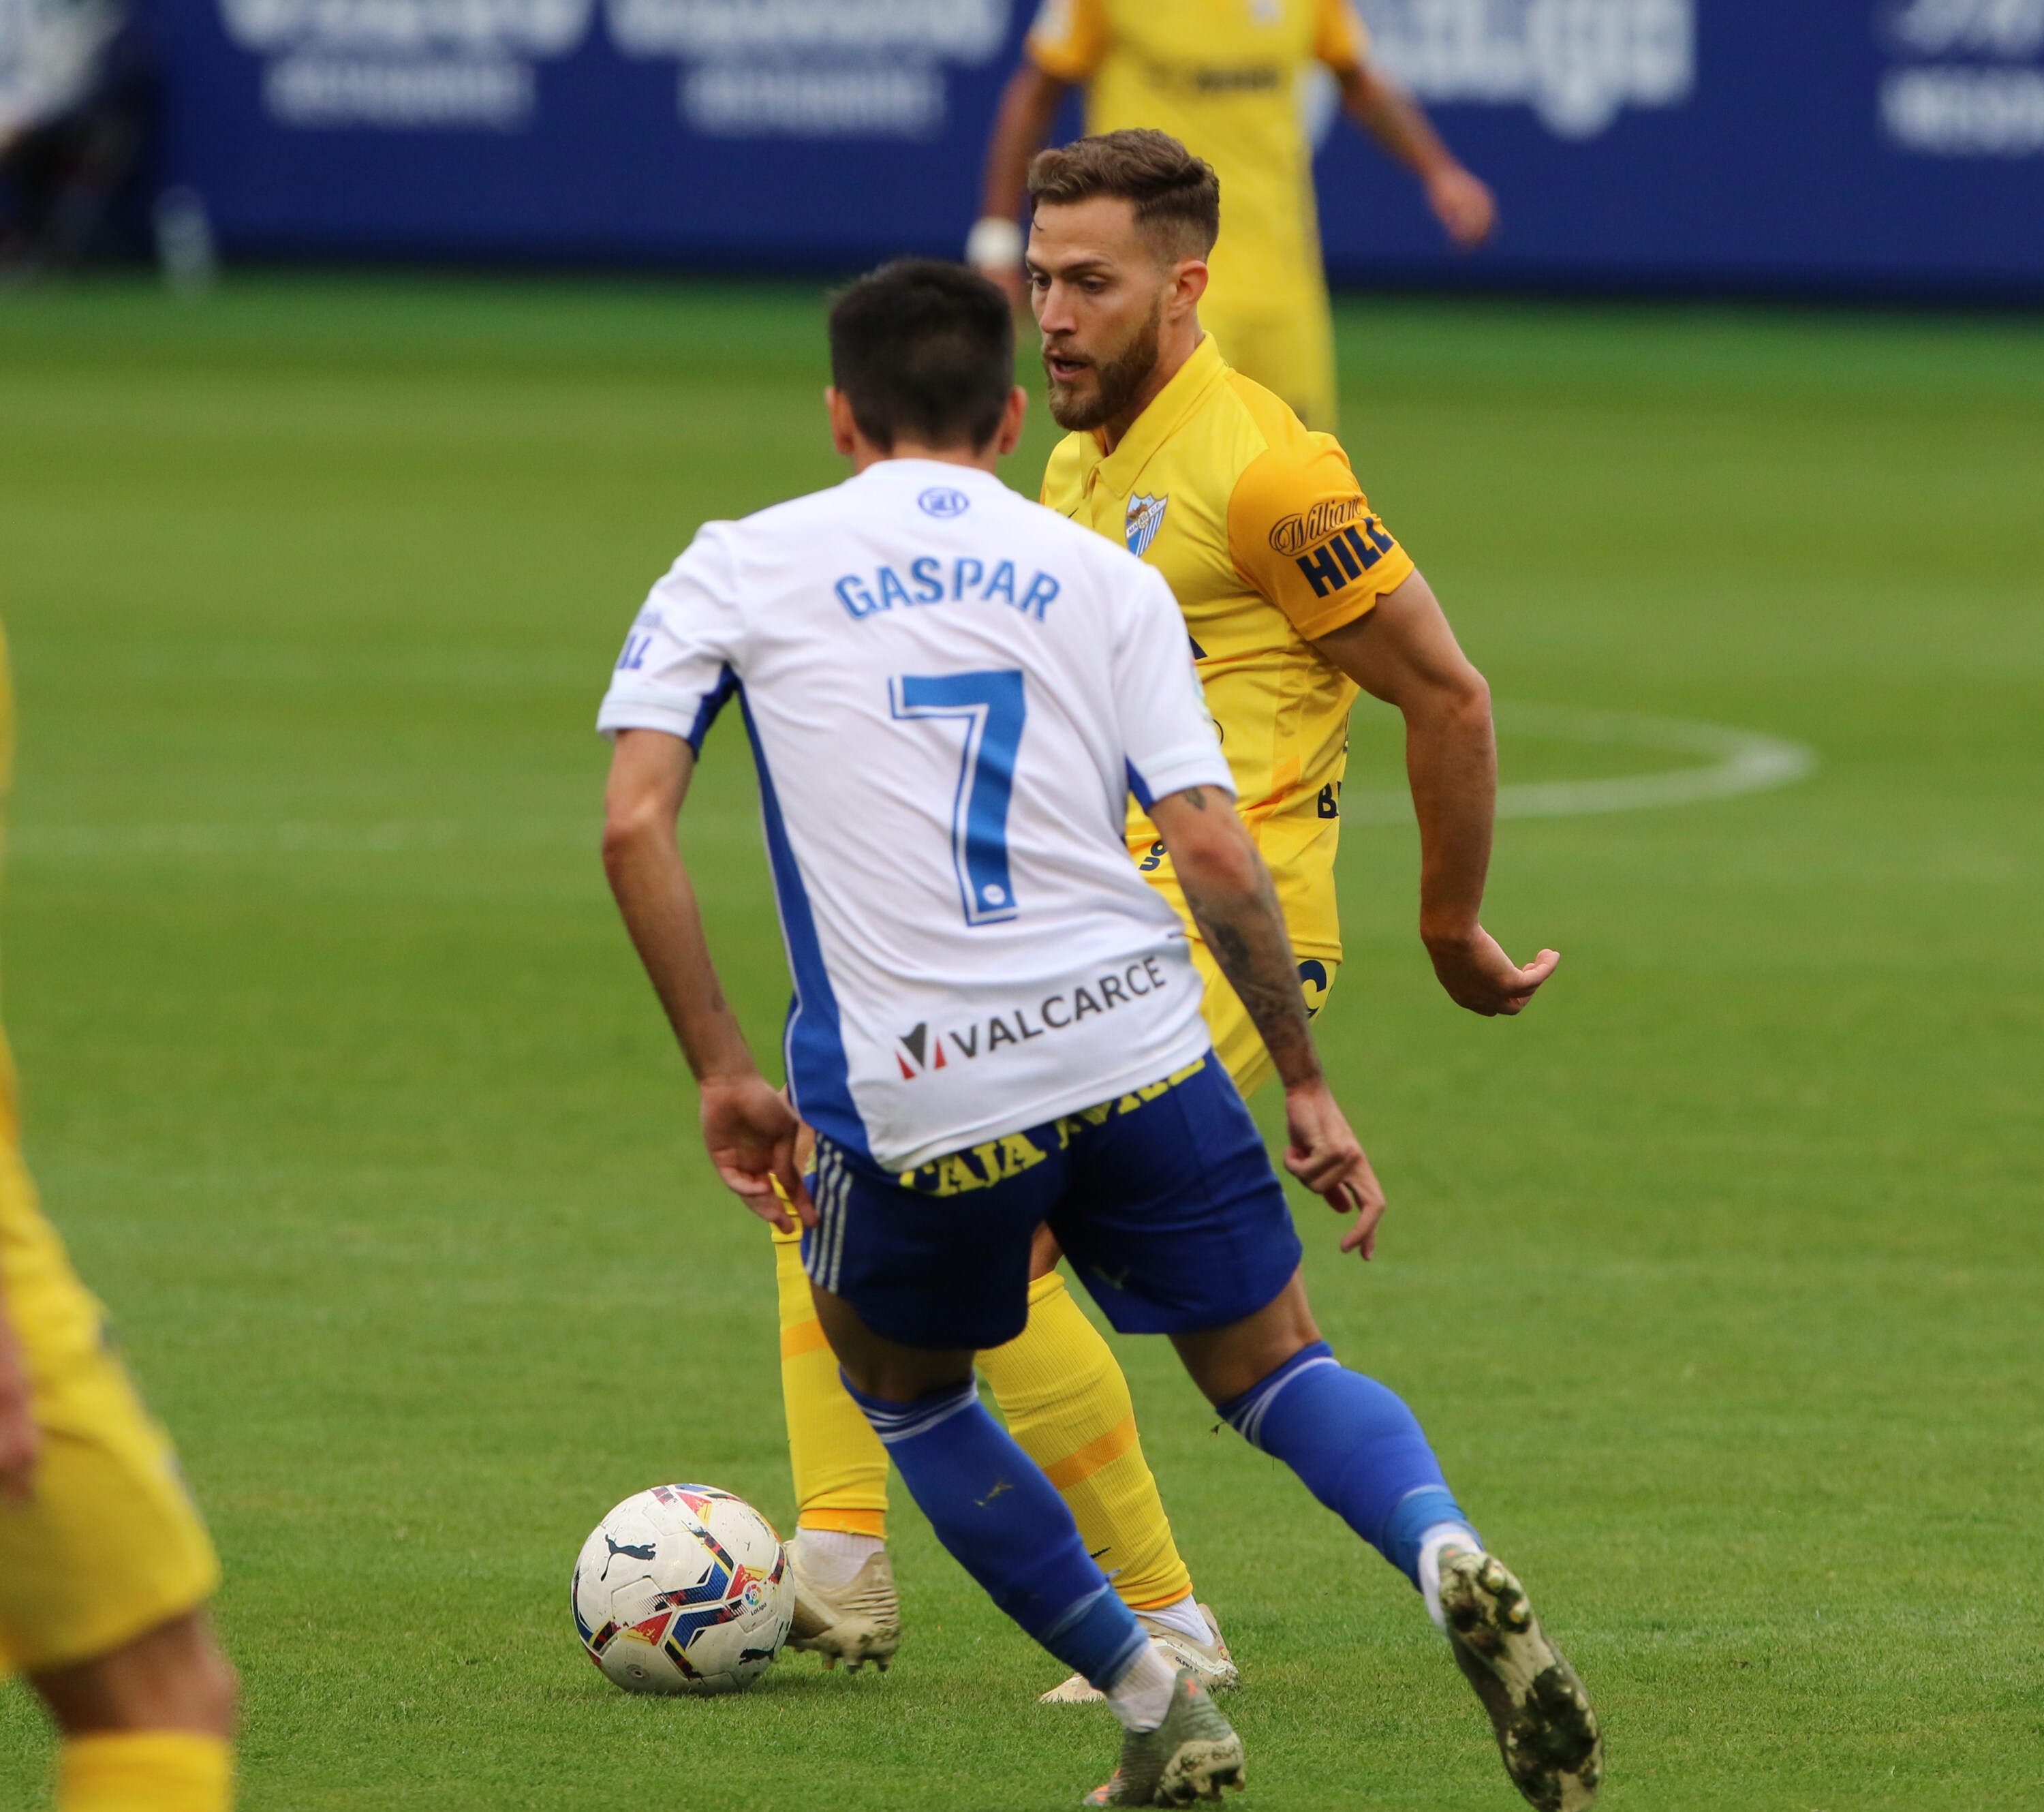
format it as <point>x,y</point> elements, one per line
<point>941,1263</point>
<point>111,1545</point>
<point>1236,1042</point>
<point>1174,1219</point>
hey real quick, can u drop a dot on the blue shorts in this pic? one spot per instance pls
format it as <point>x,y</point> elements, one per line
<point>1164,1200</point>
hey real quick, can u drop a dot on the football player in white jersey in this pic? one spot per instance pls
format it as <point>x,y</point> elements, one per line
<point>951,692</point>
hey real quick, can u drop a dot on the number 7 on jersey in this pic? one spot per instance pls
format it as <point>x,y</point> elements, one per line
<point>991,707</point>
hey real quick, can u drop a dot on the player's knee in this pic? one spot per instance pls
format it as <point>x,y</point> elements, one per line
<point>215,1688</point>
<point>1228,1363</point>
<point>173,1677</point>
<point>1044,1252</point>
<point>185,1680</point>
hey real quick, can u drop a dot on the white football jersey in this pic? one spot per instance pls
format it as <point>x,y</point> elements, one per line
<point>952,692</point>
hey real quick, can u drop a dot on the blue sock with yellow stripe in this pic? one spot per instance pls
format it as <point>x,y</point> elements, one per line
<point>1000,1519</point>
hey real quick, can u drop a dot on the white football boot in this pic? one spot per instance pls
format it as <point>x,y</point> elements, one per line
<point>857,1622</point>
<point>1546,1731</point>
<point>1208,1663</point>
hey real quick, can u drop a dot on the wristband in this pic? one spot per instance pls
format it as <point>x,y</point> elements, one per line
<point>993,244</point>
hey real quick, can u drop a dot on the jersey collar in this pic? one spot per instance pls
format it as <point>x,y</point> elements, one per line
<point>1122,469</point>
<point>926,472</point>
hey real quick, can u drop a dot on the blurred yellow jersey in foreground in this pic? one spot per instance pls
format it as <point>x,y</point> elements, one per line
<point>1267,540</point>
<point>1226,78</point>
<point>110,1546</point>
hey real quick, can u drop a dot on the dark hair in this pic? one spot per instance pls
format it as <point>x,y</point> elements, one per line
<point>1176,196</point>
<point>925,351</point>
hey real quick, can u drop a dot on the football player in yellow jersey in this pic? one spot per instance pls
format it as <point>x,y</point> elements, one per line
<point>1295,597</point>
<point>1226,78</point>
<point>105,1567</point>
<point>1295,593</point>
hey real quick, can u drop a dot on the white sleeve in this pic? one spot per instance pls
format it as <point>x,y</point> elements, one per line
<point>1167,737</point>
<point>677,667</point>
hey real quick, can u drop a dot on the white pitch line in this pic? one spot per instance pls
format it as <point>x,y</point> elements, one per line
<point>1738,761</point>
<point>1741,761</point>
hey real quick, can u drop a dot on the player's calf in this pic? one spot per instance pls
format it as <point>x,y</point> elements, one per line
<point>1361,1450</point>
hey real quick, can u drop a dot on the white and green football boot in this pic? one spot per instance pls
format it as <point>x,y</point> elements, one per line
<point>1546,1732</point>
<point>858,1622</point>
<point>1192,1755</point>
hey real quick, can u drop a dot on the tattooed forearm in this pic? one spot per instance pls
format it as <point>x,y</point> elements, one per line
<point>1246,932</point>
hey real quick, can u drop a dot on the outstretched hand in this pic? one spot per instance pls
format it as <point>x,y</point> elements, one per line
<point>1478,975</point>
<point>1464,205</point>
<point>1325,1155</point>
<point>754,1137</point>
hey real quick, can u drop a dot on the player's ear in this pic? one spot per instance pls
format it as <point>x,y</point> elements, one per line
<point>1008,436</point>
<point>843,429</point>
<point>1190,284</point>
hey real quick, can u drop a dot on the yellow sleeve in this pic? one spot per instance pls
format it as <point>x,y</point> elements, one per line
<point>1301,532</point>
<point>1341,40</point>
<point>1069,39</point>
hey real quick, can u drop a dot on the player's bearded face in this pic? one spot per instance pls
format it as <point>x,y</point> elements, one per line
<point>1090,386</point>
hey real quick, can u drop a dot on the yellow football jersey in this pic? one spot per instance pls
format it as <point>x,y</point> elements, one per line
<point>1224,77</point>
<point>1266,541</point>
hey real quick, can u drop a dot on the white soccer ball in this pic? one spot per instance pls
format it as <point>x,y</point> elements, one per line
<point>683,1589</point>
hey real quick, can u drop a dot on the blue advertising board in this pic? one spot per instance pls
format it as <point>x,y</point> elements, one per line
<point>1885,146</point>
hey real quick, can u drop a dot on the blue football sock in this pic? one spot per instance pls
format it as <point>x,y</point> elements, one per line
<point>1002,1521</point>
<point>1356,1445</point>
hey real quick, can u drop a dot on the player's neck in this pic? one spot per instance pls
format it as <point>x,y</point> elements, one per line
<point>1175,347</point>
<point>865,454</point>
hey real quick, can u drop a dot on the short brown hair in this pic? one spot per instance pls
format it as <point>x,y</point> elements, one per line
<point>1176,195</point>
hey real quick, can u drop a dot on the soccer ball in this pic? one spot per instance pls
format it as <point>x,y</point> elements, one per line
<point>682,1589</point>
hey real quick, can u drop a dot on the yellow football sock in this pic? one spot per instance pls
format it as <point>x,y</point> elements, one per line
<point>841,1467</point>
<point>146,1770</point>
<point>1065,1400</point>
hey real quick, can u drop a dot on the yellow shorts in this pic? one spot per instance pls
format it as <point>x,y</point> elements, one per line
<point>1236,1042</point>
<point>112,1545</point>
<point>1286,344</point>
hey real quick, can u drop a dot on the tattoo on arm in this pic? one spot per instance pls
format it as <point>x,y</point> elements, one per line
<point>1247,934</point>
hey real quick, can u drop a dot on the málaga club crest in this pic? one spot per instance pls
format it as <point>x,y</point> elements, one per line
<point>1145,516</point>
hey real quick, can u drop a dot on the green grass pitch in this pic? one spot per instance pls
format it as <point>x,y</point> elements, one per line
<point>1718,1278</point>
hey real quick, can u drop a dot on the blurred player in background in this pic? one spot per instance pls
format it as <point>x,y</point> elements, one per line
<point>1227,78</point>
<point>105,1567</point>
